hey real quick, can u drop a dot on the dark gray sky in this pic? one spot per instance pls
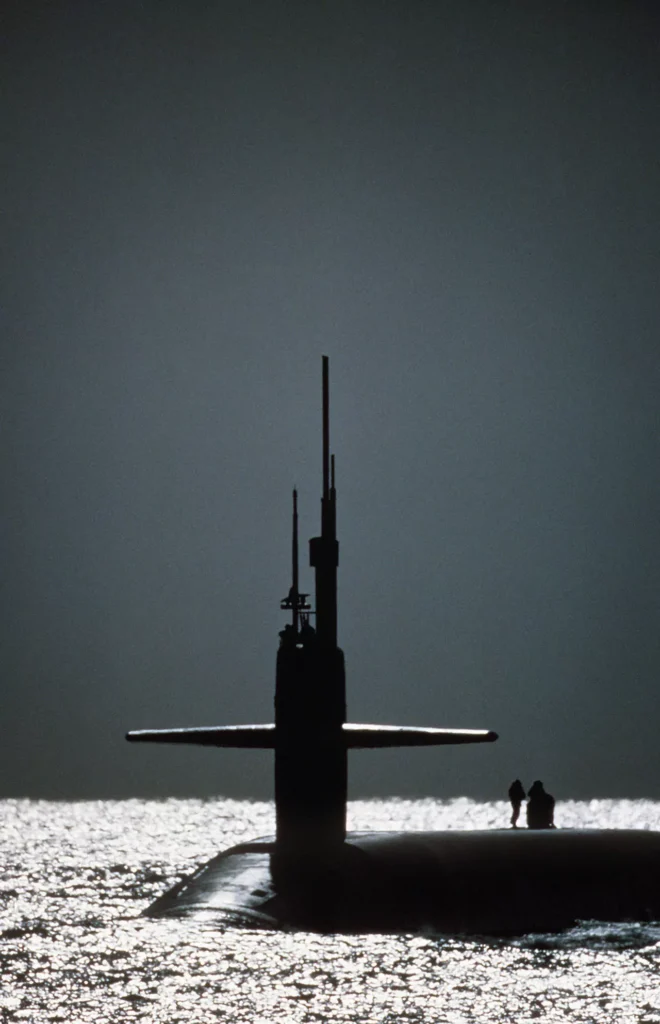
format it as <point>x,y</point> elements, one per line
<point>460,204</point>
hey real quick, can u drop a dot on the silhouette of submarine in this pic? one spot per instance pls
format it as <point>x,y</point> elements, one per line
<point>313,875</point>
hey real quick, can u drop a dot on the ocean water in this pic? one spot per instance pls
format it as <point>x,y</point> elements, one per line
<point>73,947</point>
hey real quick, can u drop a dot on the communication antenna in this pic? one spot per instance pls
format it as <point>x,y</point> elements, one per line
<point>295,603</point>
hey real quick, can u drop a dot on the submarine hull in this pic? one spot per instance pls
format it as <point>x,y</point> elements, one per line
<point>507,882</point>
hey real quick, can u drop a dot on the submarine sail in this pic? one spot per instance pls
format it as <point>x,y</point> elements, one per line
<point>310,735</point>
<point>310,694</point>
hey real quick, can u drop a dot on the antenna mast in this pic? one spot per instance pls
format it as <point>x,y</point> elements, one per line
<point>295,602</point>
<point>324,550</point>
<point>326,430</point>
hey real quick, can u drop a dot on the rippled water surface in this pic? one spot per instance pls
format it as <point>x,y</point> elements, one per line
<point>73,948</point>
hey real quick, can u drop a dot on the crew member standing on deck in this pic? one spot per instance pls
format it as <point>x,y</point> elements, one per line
<point>540,808</point>
<point>516,796</point>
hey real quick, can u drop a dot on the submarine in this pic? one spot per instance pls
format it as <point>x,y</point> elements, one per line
<point>313,875</point>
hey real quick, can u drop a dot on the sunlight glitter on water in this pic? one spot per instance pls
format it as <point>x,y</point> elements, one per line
<point>73,948</point>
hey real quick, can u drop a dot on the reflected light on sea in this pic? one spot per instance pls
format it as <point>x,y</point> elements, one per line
<point>73,948</point>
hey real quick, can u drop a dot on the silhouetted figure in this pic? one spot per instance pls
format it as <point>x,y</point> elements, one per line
<point>307,633</point>
<point>288,635</point>
<point>516,796</point>
<point>540,807</point>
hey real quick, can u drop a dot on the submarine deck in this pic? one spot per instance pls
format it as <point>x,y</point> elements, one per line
<point>495,882</point>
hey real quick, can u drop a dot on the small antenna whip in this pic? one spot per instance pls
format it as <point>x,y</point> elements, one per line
<point>326,429</point>
<point>294,563</point>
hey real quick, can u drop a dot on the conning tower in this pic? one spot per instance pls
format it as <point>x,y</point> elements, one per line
<point>310,735</point>
<point>310,689</point>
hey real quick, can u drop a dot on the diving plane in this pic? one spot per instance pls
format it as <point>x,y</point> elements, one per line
<point>314,875</point>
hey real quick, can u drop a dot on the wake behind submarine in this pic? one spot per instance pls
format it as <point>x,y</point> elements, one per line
<point>315,876</point>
